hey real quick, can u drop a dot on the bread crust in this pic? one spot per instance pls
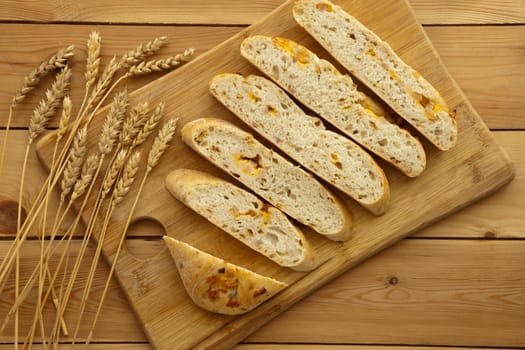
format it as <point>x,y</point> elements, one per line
<point>374,63</point>
<point>268,110</point>
<point>219,286</point>
<point>281,183</point>
<point>245,217</point>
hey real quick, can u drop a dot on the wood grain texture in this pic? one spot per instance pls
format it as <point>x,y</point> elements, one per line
<point>475,167</point>
<point>473,286</point>
<point>10,186</point>
<point>418,292</point>
<point>340,347</point>
<point>485,61</point>
<point>111,326</point>
<point>501,215</point>
<point>239,12</point>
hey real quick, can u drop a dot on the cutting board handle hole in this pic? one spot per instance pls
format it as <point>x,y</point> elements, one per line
<point>144,238</point>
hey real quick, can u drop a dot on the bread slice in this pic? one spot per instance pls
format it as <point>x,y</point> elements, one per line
<point>373,61</point>
<point>334,97</point>
<point>267,109</point>
<point>219,286</point>
<point>260,226</point>
<point>281,183</point>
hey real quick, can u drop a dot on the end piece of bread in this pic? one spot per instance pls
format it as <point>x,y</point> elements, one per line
<point>281,183</point>
<point>374,62</point>
<point>334,97</point>
<point>268,109</point>
<point>219,286</point>
<point>260,226</point>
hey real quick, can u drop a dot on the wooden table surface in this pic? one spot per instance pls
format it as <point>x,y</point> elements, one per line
<point>460,282</point>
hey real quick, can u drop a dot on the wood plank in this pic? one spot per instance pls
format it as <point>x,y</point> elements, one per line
<point>472,169</point>
<point>436,292</point>
<point>117,322</point>
<point>495,92</point>
<point>239,12</point>
<point>24,46</point>
<point>501,215</point>
<point>119,346</point>
<point>341,347</point>
<point>129,346</point>
<point>487,62</point>
<point>498,216</point>
<point>482,306</point>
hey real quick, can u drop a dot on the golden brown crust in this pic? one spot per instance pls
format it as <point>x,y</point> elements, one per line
<point>219,286</point>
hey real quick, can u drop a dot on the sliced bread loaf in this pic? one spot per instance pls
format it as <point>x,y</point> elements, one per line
<point>373,61</point>
<point>334,96</point>
<point>268,109</point>
<point>219,286</point>
<point>260,226</point>
<point>281,183</point>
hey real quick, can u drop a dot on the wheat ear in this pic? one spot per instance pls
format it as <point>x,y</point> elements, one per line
<point>149,126</point>
<point>158,148</point>
<point>161,65</point>
<point>31,80</point>
<point>122,188</point>
<point>113,123</point>
<point>58,60</point>
<point>93,58</point>
<point>41,115</point>
<point>133,124</point>
<point>139,54</point>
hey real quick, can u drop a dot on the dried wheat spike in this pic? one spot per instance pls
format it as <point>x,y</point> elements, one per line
<point>113,172</point>
<point>139,54</point>
<point>74,162</point>
<point>103,83</point>
<point>64,118</point>
<point>133,124</point>
<point>162,64</point>
<point>124,183</point>
<point>113,122</point>
<point>47,107</point>
<point>58,60</point>
<point>93,58</point>
<point>86,176</point>
<point>150,125</point>
<point>161,143</point>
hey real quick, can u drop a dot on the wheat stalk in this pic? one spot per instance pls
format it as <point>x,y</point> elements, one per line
<point>149,126</point>
<point>122,188</point>
<point>41,115</point>
<point>160,144</point>
<point>161,65</point>
<point>139,54</point>
<point>133,124</point>
<point>113,122</point>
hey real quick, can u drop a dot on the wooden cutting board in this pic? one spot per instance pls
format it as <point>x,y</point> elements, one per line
<point>474,168</point>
